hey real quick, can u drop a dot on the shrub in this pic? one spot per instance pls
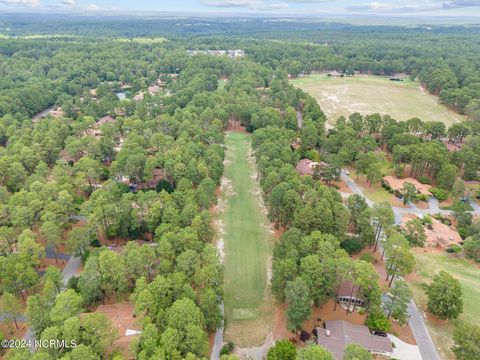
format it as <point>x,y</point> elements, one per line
<point>377,321</point>
<point>457,249</point>
<point>312,155</point>
<point>352,246</point>
<point>304,336</point>
<point>424,179</point>
<point>399,172</point>
<point>283,350</point>
<point>72,283</point>
<point>472,247</point>
<point>386,186</point>
<point>422,197</point>
<point>164,185</point>
<point>227,348</point>
<point>440,194</point>
<point>368,258</point>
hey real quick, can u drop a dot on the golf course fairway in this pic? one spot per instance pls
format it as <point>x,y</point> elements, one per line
<point>247,247</point>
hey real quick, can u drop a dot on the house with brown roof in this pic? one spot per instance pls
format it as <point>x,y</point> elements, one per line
<point>398,184</point>
<point>348,294</point>
<point>307,166</point>
<point>441,235</point>
<point>337,334</point>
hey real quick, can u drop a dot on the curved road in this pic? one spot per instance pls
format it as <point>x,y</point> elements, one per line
<point>424,341</point>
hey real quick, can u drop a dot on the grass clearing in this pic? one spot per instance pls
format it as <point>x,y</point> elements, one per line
<point>247,246</point>
<point>430,263</point>
<point>369,94</point>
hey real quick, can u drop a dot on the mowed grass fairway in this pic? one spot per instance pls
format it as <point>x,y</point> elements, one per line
<point>247,242</point>
<point>428,264</point>
<point>368,94</point>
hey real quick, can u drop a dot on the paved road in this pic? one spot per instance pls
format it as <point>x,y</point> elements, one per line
<point>68,272</point>
<point>420,331</point>
<point>218,340</point>
<point>401,212</point>
<point>417,324</point>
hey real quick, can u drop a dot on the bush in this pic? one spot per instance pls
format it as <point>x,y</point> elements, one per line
<point>424,179</point>
<point>312,155</point>
<point>457,249</point>
<point>472,247</point>
<point>227,348</point>
<point>422,197</point>
<point>164,185</point>
<point>352,246</point>
<point>386,186</point>
<point>377,321</point>
<point>283,350</point>
<point>399,172</point>
<point>368,258</point>
<point>440,194</point>
<point>72,283</point>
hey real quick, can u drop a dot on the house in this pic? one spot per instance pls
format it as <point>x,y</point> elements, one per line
<point>441,235</point>
<point>307,166</point>
<point>154,89</point>
<point>139,96</point>
<point>347,294</point>
<point>337,334</point>
<point>398,184</point>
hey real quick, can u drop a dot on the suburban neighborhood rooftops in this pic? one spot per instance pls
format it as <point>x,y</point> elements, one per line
<point>338,334</point>
<point>398,184</point>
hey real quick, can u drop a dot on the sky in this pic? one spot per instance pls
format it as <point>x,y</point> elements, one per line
<point>267,7</point>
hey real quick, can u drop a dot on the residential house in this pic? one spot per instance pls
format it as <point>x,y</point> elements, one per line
<point>337,334</point>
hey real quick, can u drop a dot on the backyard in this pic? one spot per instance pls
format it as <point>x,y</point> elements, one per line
<point>430,263</point>
<point>369,94</point>
<point>247,243</point>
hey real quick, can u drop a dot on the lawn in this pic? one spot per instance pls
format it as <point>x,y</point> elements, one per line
<point>468,274</point>
<point>247,247</point>
<point>369,94</point>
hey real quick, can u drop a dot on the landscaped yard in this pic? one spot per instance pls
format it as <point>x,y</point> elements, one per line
<point>369,94</point>
<point>248,304</point>
<point>428,264</point>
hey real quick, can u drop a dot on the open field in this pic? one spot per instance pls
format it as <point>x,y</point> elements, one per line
<point>369,94</point>
<point>248,304</point>
<point>428,264</point>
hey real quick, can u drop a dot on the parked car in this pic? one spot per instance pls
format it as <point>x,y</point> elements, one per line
<point>380,333</point>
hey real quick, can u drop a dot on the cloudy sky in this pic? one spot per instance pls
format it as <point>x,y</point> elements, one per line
<point>284,7</point>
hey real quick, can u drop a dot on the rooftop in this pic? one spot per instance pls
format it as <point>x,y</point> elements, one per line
<point>307,166</point>
<point>398,184</point>
<point>338,334</point>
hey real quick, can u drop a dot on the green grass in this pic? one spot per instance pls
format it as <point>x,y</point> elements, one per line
<point>247,248</point>
<point>428,264</point>
<point>369,94</point>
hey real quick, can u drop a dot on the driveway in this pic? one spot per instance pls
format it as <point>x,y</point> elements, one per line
<point>404,351</point>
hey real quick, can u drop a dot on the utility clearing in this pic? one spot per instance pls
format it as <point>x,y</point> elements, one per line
<point>246,240</point>
<point>368,94</point>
